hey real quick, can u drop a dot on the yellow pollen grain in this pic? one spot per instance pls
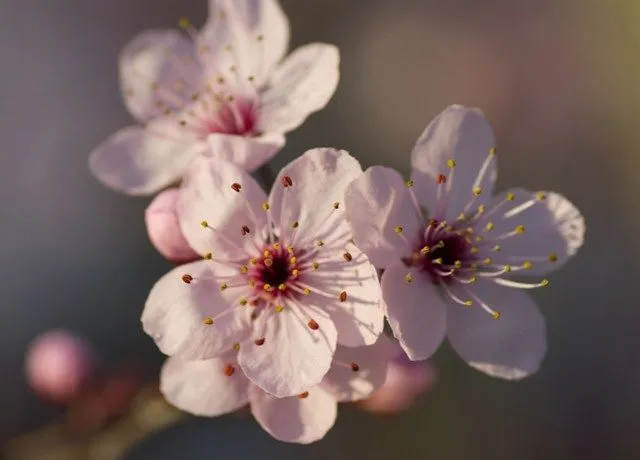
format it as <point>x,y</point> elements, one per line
<point>295,273</point>
<point>320,243</point>
<point>204,224</point>
<point>279,308</point>
<point>527,265</point>
<point>507,268</point>
<point>474,250</point>
<point>496,248</point>
<point>293,260</point>
<point>487,261</point>
<point>510,196</point>
<point>544,283</point>
<point>496,315</point>
<point>408,183</point>
<point>266,206</point>
<point>408,278</point>
<point>184,23</point>
<point>306,291</point>
<point>437,261</point>
<point>253,261</point>
<point>468,303</point>
<point>290,249</point>
<point>461,217</point>
<point>451,164</point>
<point>457,264</point>
<point>266,253</point>
<point>519,230</point>
<point>473,279</point>
<point>276,246</point>
<point>541,196</point>
<point>398,229</point>
<point>267,287</point>
<point>479,239</point>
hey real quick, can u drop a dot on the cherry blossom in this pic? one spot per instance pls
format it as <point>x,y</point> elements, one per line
<point>451,251</point>
<point>227,91</point>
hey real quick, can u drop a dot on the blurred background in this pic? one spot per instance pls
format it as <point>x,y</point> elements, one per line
<point>558,80</point>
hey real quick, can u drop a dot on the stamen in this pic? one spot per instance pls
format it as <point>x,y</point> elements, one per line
<point>236,187</point>
<point>343,296</point>
<point>355,367</point>
<point>287,182</point>
<point>229,370</point>
<point>259,342</point>
<point>208,321</point>
<point>521,285</point>
<point>313,325</point>
<point>187,278</point>
<point>347,256</point>
<point>303,395</point>
<point>245,230</point>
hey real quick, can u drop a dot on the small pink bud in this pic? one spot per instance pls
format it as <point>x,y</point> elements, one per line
<point>163,228</point>
<point>58,365</point>
<point>406,381</point>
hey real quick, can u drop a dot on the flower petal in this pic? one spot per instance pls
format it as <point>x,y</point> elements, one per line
<point>461,134</point>
<point>257,29</point>
<point>511,347</point>
<point>303,84</point>
<point>225,197</point>
<point>164,230</point>
<point>142,161</point>
<point>554,230</point>
<point>296,419</point>
<point>247,152</point>
<point>176,312</point>
<point>151,65</point>
<point>205,388</point>
<point>376,203</point>
<point>359,319</point>
<point>319,179</point>
<point>293,357</point>
<point>416,311</point>
<point>358,372</point>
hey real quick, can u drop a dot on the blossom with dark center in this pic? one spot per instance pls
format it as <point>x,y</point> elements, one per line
<point>280,275</point>
<point>217,386</point>
<point>226,91</point>
<point>451,251</point>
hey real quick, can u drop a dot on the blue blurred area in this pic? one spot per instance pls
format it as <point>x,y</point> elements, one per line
<point>558,80</point>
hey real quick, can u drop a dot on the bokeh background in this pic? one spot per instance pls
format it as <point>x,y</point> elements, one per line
<point>558,80</point>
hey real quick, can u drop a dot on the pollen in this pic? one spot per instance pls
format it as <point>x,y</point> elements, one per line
<point>306,291</point>
<point>253,261</point>
<point>468,303</point>
<point>493,151</point>
<point>437,261</point>
<point>424,251</point>
<point>236,187</point>
<point>184,23</point>
<point>487,261</point>
<point>208,321</point>
<point>267,287</point>
<point>541,196</point>
<point>320,243</point>
<point>187,278</point>
<point>315,265</point>
<point>287,182</point>
<point>276,246</point>
<point>313,325</point>
<point>244,269</point>
<point>243,302</point>
<point>527,265</point>
<point>293,260</point>
<point>544,283</point>
<point>343,296</point>
<point>204,224</point>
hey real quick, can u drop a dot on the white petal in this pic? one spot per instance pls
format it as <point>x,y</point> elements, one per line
<point>376,203</point>
<point>202,387</point>
<point>347,384</point>
<point>151,65</point>
<point>208,195</point>
<point>511,347</point>
<point>360,318</point>
<point>294,419</point>
<point>247,152</point>
<point>175,312</point>
<point>142,161</point>
<point>461,134</point>
<point>258,30</point>
<point>416,311</point>
<point>553,226</point>
<point>303,84</point>
<point>320,178</point>
<point>293,357</point>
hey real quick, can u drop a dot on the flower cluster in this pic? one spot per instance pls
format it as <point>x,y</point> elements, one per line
<point>278,303</point>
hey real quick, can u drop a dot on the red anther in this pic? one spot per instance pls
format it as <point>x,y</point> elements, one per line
<point>245,230</point>
<point>343,296</point>
<point>313,325</point>
<point>187,278</point>
<point>236,187</point>
<point>286,181</point>
<point>229,370</point>
<point>355,367</point>
<point>303,395</point>
<point>259,342</point>
<point>441,178</point>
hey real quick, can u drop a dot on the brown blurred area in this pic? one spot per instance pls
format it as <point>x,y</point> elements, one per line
<point>557,78</point>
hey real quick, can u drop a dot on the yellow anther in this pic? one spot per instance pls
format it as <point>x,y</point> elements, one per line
<point>510,196</point>
<point>208,256</point>
<point>437,261</point>
<point>519,230</point>
<point>476,191</point>
<point>461,217</point>
<point>315,265</point>
<point>527,265</point>
<point>295,272</point>
<point>473,279</point>
<point>282,287</point>
<point>457,264</point>
<point>496,248</point>
<point>492,151</point>
<point>496,315</point>
<point>544,283</point>
<point>336,205</point>
<point>267,287</point>
<point>553,257</point>
<point>487,261</point>
<point>408,278</point>
<point>489,226</point>
<point>541,196</point>
<point>223,286</point>
<point>295,224</point>
<point>306,291</point>
<point>184,23</point>
<point>290,249</point>
<point>244,269</point>
<point>408,183</point>
<point>266,206</point>
<point>278,308</point>
<point>319,243</point>
<point>204,224</point>
<point>482,208</point>
<point>252,283</point>
<point>243,301</point>
<point>208,321</point>
<point>253,261</point>
<point>468,303</point>
<point>424,251</point>
<point>293,260</point>
<point>507,268</point>
<point>439,245</point>
<point>451,164</point>
<point>479,239</point>
<point>267,253</point>
<point>236,346</point>
<point>398,229</point>
<point>276,246</point>
<point>474,250</point>
<point>268,262</point>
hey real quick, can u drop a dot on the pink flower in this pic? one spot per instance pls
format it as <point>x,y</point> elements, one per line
<point>464,253</point>
<point>227,91</point>
<point>58,365</point>
<point>164,230</point>
<point>280,277</point>
<point>217,386</point>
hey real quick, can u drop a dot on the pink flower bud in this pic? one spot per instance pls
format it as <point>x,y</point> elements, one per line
<point>406,381</point>
<point>164,230</point>
<point>58,365</point>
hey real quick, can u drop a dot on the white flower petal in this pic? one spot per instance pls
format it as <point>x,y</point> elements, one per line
<point>554,230</point>
<point>303,84</point>
<point>205,388</point>
<point>151,65</point>
<point>461,134</point>
<point>247,152</point>
<point>319,179</point>
<point>176,311</point>
<point>357,372</point>
<point>511,347</point>
<point>416,311</point>
<point>293,356</point>
<point>295,419</point>
<point>140,161</point>
<point>360,318</point>
<point>209,195</point>
<point>376,203</point>
<point>259,27</point>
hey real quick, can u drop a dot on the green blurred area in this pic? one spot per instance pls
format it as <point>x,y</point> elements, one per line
<point>557,79</point>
